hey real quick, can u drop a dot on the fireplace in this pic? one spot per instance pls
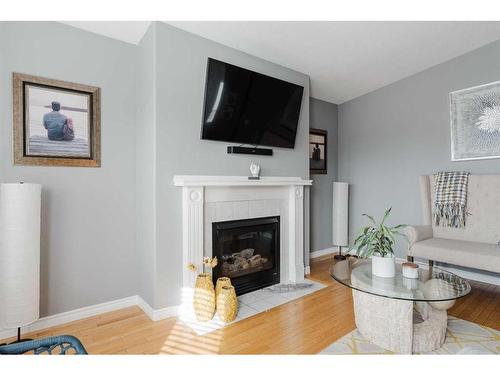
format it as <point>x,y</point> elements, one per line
<point>248,252</point>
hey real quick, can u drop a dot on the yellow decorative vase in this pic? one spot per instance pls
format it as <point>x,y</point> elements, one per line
<point>221,281</point>
<point>204,297</point>
<point>227,304</point>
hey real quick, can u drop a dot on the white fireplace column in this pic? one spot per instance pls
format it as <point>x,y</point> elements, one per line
<point>238,190</point>
<point>296,233</point>
<point>192,232</point>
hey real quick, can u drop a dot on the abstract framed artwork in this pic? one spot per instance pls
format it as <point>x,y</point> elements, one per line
<point>475,123</point>
<point>56,123</point>
<point>317,151</point>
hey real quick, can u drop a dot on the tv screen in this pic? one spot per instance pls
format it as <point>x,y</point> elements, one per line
<point>243,106</point>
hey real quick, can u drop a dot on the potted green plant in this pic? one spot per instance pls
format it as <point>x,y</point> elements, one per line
<point>376,241</point>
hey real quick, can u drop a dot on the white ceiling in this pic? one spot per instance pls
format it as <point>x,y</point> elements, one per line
<point>344,59</point>
<point>126,31</point>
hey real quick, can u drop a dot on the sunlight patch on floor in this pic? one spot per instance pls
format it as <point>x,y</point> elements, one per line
<point>181,342</point>
<point>250,304</point>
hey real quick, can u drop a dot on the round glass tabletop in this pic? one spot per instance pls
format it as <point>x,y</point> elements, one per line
<point>432,284</point>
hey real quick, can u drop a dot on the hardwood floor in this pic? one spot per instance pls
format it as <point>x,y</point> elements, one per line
<point>307,325</point>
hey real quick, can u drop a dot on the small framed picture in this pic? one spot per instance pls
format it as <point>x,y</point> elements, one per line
<point>56,123</point>
<point>317,151</point>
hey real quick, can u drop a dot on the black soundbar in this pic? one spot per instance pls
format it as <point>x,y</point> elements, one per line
<point>249,150</point>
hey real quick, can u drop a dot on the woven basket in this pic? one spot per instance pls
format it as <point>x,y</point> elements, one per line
<point>221,281</point>
<point>204,297</point>
<point>227,304</point>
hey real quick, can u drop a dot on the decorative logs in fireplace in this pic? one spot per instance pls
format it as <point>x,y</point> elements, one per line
<point>241,261</point>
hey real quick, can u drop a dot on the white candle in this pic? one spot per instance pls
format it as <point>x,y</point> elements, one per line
<point>410,270</point>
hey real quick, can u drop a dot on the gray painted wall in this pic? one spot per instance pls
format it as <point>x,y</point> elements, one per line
<point>115,231</point>
<point>88,223</point>
<point>145,143</point>
<point>107,234</point>
<point>323,115</point>
<point>392,135</point>
<point>181,60</point>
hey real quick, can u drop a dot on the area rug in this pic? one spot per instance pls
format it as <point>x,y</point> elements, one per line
<point>251,304</point>
<point>462,337</point>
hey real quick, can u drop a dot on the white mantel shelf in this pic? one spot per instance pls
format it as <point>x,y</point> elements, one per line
<point>180,180</point>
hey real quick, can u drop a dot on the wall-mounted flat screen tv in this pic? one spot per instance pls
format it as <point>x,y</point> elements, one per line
<point>242,106</point>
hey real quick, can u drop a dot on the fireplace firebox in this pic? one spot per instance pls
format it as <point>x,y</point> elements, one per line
<point>247,252</point>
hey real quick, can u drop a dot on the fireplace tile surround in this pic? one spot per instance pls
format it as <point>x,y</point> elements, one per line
<point>208,199</point>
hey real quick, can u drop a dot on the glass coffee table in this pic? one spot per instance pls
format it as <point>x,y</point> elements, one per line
<point>400,314</point>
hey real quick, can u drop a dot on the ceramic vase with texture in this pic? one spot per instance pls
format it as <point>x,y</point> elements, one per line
<point>204,297</point>
<point>221,281</point>
<point>227,304</point>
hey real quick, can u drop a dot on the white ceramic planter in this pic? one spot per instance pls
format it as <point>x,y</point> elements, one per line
<point>383,266</point>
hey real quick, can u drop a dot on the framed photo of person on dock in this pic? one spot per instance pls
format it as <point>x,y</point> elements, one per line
<point>56,123</point>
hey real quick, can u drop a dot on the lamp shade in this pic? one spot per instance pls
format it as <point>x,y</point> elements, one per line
<point>340,209</point>
<point>19,254</point>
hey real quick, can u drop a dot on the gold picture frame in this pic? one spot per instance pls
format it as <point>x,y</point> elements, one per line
<point>56,123</point>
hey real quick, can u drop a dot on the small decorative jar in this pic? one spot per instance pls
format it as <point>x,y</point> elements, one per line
<point>221,281</point>
<point>204,297</point>
<point>227,304</point>
<point>410,270</point>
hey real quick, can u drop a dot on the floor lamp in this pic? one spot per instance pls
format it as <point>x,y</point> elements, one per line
<point>19,255</point>
<point>340,218</point>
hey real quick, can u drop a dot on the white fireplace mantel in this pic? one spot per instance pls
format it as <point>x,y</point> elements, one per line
<point>238,181</point>
<point>237,197</point>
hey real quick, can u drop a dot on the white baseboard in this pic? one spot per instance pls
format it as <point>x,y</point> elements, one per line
<point>466,274</point>
<point>319,253</point>
<point>307,270</point>
<point>159,314</point>
<point>86,312</point>
<point>146,307</point>
<point>70,316</point>
<point>166,312</point>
